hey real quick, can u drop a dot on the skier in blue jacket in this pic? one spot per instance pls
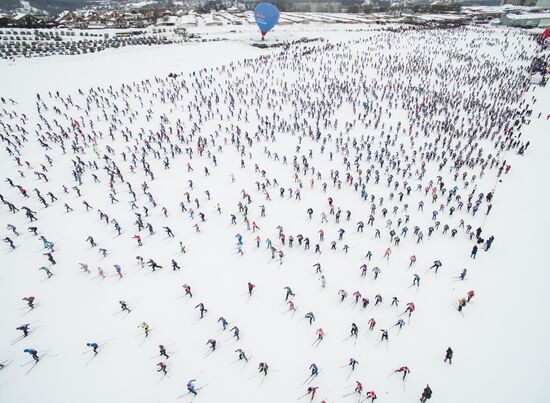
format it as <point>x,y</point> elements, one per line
<point>191,387</point>
<point>93,346</point>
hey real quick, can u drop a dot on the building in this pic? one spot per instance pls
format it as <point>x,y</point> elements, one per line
<point>540,20</point>
<point>317,6</point>
<point>526,3</point>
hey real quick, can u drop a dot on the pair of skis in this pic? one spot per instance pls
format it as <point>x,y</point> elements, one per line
<point>34,362</point>
<point>311,378</point>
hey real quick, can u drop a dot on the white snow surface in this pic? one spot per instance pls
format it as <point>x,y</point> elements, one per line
<point>501,340</point>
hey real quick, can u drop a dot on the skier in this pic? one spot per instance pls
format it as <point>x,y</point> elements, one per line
<point>163,351</point>
<point>84,268</point>
<point>405,370</point>
<point>153,265</point>
<point>9,241</point>
<point>354,330</point>
<point>416,280</point>
<point>202,309</point>
<point>314,370</point>
<point>50,257</point>
<point>489,242</point>
<point>162,367</point>
<point>449,355</point>
<point>310,316</point>
<point>94,347</point>
<point>124,306</point>
<point>317,267</point>
<point>312,390</point>
<point>263,367</point>
<point>426,394</point>
<point>291,306</point>
<point>289,292</point>
<point>33,353</point>
<point>187,289</point>
<point>46,270</point>
<point>471,294</point>
<point>250,288</point>
<point>168,232</point>
<point>461,304</point>
<point>371,323</point>
<point>191,386</point>
<point>223,321</point>
<point>437,264</point>
<point>320,334</point>
<point>371,395</point>
<point>212,344</point>
<point>236,332</point>
<point>463,274</point>
<point>474,252</point>
<point>343,294</point>
<point>410,308</point>
<point>24,328</point>
<point>145,328</point>
<point>242,355</point>
<point>13,229</point>
<point>30,301</point>
<point>91,240</point>
<point>353,362</point>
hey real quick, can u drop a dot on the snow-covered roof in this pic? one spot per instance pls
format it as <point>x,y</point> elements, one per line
<point>141,4</point>
<point>438,17</point>
<point>538,16</point>
<point>499,9</point>
<point>188,19</point>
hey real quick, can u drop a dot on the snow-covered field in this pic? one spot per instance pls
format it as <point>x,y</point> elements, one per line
<point>363,103</point>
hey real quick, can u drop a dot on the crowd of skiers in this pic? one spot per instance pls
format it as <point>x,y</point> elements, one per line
<point>432,173</point>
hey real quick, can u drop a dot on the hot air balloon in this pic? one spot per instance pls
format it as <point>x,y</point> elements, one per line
<point>267,16</point>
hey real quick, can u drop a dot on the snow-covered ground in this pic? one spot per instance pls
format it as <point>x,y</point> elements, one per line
<point>306,102</point>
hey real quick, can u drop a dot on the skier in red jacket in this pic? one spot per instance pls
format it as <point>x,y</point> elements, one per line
<point>471,294</point>
<point>250,288</point>
<point>410,308</point>
<point>405,371</point>
<point>311,390</point>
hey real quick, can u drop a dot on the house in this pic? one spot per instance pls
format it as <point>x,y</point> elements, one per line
<point>318,6</point>
<point>534,20</point>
